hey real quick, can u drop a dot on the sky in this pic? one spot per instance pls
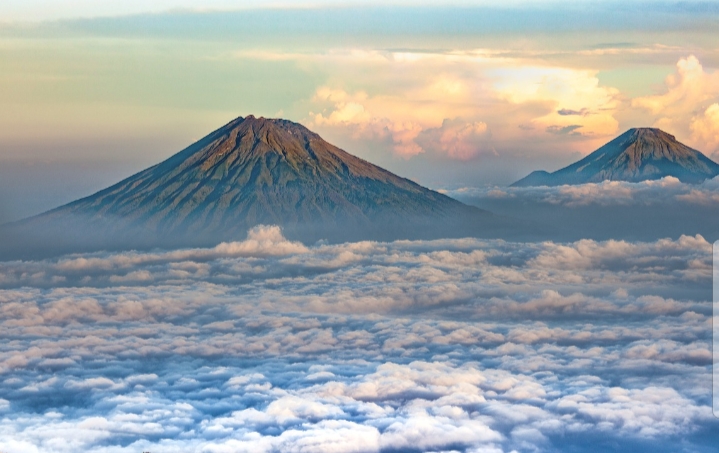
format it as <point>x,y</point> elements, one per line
<point>41,10</point>
<point>470,95</point>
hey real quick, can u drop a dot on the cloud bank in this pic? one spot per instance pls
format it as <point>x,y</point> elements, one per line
<point>449,345</point>
<point>608,193</point>
<point>645,211</point>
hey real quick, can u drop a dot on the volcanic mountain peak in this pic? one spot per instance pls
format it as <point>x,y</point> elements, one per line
<point>259,171</point>
<point>254,169</point>
<point>648,132</point>
<point>646,143</point>
<point>637,155</point>
<point>262,135</point>
<point>251,141</point>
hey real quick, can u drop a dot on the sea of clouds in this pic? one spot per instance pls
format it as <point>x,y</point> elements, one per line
<point>268,345</point>
<point>606,193</point>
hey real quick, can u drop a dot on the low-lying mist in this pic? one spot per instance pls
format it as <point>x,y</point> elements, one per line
<point>645,211</point>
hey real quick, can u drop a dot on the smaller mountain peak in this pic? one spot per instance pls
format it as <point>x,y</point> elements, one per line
<point>639,154</point>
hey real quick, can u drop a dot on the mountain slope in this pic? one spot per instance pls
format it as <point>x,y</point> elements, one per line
<point>259,171</point>
<point>256,170</point>
<point>637,155</point>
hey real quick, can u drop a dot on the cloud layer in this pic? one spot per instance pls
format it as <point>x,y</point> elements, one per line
<point>608,193</point>
<point>450,345</point>
<point>645,211</point>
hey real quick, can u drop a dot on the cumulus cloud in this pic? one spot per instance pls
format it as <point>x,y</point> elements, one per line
<point>379,117</point>
<point>459,139</point>
<point>688,105</point>
<point>459,104</point>
<point>705,128</point>
<point>689,85</point>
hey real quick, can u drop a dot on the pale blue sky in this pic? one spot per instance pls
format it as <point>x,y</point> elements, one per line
<point>39,10</point>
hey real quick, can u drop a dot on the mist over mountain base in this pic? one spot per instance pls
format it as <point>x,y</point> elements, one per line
<point>643,211</point>
<point>79,234</point>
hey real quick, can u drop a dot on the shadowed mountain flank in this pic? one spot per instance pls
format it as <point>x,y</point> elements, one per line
<point>637,155</point>
<point>257,171</point>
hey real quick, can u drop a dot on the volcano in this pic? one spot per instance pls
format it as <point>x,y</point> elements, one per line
<point>256,171</point>
<point>637,155</point>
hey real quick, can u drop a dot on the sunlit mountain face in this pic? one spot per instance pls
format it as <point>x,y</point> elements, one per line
<point>347,254</point>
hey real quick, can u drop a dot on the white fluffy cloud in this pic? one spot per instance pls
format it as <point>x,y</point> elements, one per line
<point>459,140</point>
<point>459,103</point>
<point>688,107</point>
<point>380,117</point>
<point>705,127</point>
